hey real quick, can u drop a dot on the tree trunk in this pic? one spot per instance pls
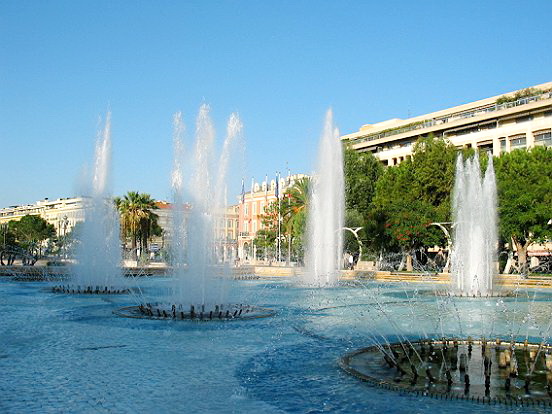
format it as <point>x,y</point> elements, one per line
<point>134,245</point>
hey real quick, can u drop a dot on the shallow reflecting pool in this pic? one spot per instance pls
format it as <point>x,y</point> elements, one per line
<point>71,353</point>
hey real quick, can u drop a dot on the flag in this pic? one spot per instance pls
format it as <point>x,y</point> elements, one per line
<point>243,192</point>
<point>266,188</point>
<point>277,189</point>
<point>252,186</point>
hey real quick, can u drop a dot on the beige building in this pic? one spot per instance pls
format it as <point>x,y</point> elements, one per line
<point>226,234</point>
<point>226,229</point>
<point>251,210</point>
<point>499,124</point>
<point>63,213</point>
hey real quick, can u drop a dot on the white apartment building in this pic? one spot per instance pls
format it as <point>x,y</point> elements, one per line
<point>519,119</point>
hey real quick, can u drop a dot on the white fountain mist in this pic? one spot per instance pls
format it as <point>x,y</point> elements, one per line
<point>99,251</point>
<point>475,237</point>
<point>193,233</point>
<point>326,215</point>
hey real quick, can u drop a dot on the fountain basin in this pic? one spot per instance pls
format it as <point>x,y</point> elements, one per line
<point>90,290</point>
<point>491,294</point>
<point>203,313</point>
<point>512,373</point>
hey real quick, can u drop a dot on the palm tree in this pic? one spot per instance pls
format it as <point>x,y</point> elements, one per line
<point>138,221</point>
<point>295,208</point>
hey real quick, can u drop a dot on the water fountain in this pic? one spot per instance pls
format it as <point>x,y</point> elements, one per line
<point>478,370</point>
<point>97,270</point>
<point>511,368</point>
<point>326,215</point>
<point>475,239</point>
<point>200,288</point>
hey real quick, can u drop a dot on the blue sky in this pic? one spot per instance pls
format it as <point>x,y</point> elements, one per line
<point>280,64</point>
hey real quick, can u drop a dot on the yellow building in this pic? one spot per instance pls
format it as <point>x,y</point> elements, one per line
<point>519,119</point>
<point>226,234</point>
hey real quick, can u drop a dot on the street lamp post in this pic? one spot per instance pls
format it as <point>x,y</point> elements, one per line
<point>355,231</point>
<point>449,242</point>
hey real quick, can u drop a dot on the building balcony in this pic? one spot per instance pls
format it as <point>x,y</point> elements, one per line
<point>452,117</point>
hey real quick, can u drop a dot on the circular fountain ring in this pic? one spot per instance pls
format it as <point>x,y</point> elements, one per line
<point>494,294</point>
<point>223,312</point>
<point>90,290</point>
<point>477,370</point>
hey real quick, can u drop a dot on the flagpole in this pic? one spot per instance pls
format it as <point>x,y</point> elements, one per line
<point>289,241</point>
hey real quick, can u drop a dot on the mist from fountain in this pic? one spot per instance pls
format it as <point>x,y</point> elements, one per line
<point>99,251</point>
<point>194,224</point>
<point>326,215</point>
<point>474,251</point>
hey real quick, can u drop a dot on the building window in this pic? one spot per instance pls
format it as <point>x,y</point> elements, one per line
<point>525,118</point>
<point>262,207</point>
<point>254,208</point>
<point>502,145</point>
<point>246,226</point>
<point>246,210</point>
<point>518,141</point>
<point>486,146</point>
<point>543,138</point>
<point>255,226</point>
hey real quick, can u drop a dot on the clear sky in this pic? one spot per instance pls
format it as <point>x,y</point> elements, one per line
<point>279,63</point>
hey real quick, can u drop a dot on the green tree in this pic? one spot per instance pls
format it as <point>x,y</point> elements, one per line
<point>138,221</point>
<point>295,206</point>
<point>433,164</point>
<point>525,198</point>
<point>31,231</point>
<point>406,214</point>
<point>266,236</point>
<point>412,195</point>
<point>361,172</point>
<point>7,238</point>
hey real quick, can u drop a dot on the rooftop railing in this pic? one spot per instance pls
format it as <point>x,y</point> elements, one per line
<point>452,117</point>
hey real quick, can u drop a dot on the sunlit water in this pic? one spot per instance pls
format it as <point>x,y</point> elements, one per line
<point>99,250</point>
<point>198,205</point>
<point>70,353</point>
<point>326,211</point>
<point>474,252</point>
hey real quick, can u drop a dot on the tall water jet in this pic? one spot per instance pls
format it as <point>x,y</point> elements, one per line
<point>194,224</point>
<point>200,289</point>
<point>178,209</point>
<point>99,251</point>
<point>474,251</point>
<point>326,215</point>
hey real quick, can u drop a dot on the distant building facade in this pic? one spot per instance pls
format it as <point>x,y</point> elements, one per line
<point>62,213</point>
<point>225,229</point>
<point>65,213</point>
<point>251,208</point>
<point>489,124</point>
